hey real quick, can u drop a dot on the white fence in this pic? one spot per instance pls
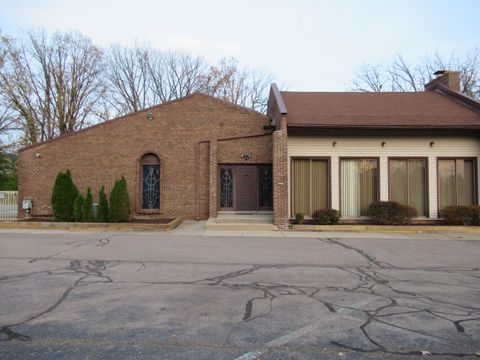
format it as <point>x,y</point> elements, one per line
<point>8,205</point>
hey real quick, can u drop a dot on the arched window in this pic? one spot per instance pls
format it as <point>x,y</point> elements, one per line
<point>150,177</point>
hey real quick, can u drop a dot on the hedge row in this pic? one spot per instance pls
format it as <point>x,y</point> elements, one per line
<point>382,212</point>
<point>69,205</point>
<point>320,217</point>
<point>394,213</point>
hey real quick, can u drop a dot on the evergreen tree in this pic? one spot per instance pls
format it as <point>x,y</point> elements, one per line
<point>78,208</point>
<point>88,207</point>
<point>8,174</point>
<point>64,194</point>
<point>102,206</point>
<point>119,210</point>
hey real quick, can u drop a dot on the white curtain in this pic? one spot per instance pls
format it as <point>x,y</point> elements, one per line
<point>350,188</point>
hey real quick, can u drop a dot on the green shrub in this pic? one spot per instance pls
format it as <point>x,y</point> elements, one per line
<point>391,213</point>
<point>64,194</point>
<point>299,218</point>
<point>102,206</point>
<point>8,173</point>
<point>475,209</point>
<point>461,215</point>
<point>88,207</point>
<point>78,208</point>
<point>119,210</point>
<point>325,216</point>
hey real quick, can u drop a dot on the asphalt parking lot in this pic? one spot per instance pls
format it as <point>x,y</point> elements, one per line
<point>86,295</point>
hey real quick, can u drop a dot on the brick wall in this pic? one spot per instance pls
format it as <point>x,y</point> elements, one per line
<point>259,147</point>
<point>280,174</point>
<point>100,154</point>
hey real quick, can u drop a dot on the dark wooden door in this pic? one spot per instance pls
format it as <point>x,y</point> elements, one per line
<point>246,192</point>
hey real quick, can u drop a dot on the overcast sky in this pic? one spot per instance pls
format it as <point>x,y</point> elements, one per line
<point>306,45</point>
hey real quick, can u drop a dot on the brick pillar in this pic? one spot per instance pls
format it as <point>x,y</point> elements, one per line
<point>213,170</point>
<point>280,176</point>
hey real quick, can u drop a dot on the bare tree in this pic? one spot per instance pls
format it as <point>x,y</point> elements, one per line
<point>128,80</point>
<point>51,84</point>
<point>54,84</point>
<point>139,77</point>
<point>175,74</point>
<point>241,86</point>
<point>403,75</point>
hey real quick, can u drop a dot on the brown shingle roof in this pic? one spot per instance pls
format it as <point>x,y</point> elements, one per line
<point>429,109</point>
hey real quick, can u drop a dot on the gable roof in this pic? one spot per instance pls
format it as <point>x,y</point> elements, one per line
<point>442,108</point>
<point>146,110</point>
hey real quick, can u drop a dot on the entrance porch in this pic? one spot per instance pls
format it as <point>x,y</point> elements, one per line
<point>246,221</point>
<point>245,188</point>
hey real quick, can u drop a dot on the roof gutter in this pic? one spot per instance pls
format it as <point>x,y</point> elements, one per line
<point>383,127</point>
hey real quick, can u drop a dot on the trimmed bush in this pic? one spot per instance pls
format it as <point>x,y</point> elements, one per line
<point>475,209</point>
<point>102,206</point>
<point>299,218</point>
<point>391,213</point>
<point>461,215</point>
<point>119,210</point>
<point>88,207</point>
<point>78,208</point>
<point>325,216</point>
<point>64,194</point>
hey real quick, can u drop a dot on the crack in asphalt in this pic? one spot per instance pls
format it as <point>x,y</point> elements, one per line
<point>101,242</point>
<point>369,281</point>
<point>375,279</point>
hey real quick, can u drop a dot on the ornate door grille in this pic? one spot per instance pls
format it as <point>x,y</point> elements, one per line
<point>226,188</point>
<point>266,193</point>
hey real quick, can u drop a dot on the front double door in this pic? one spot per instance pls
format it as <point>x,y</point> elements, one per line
<point>245,187</point>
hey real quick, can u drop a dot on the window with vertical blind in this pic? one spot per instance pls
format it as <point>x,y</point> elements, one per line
<point>408,183</point>
<point>358,186</point>
<point>456,182</point>
<point>309,185</point>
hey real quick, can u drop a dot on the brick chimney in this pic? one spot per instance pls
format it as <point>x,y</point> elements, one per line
<point>450,79</point>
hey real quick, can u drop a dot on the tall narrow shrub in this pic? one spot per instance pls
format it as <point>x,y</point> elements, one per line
<point>102,206</point>
<point>78,208</point>
<point>88,207</point>
<point>119,210</point>
<point>64,194</point>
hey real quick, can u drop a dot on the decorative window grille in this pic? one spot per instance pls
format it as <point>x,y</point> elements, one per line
<point>150,191</point>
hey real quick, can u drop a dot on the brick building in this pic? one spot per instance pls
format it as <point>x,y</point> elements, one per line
<point>171,155</point>
<point>197,156</point>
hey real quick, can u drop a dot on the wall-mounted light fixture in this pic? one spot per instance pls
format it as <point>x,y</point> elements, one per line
<point>334,143</point>
<point>383,143</point>
<point>432,143</point>
<point>246,156</point>
<point>149,116</point>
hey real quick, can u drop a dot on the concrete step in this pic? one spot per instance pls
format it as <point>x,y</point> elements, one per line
<point>245,218</point>
<point>213,224</point>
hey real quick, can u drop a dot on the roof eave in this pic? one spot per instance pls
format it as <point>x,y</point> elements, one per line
<point>276,106</point>
<point>383,127</point>
<point>458,97</point>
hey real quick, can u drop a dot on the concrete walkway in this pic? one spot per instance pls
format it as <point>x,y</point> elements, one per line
<point>190,227</point>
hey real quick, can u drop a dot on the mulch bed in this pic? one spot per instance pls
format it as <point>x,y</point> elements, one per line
<point>133,221</point>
